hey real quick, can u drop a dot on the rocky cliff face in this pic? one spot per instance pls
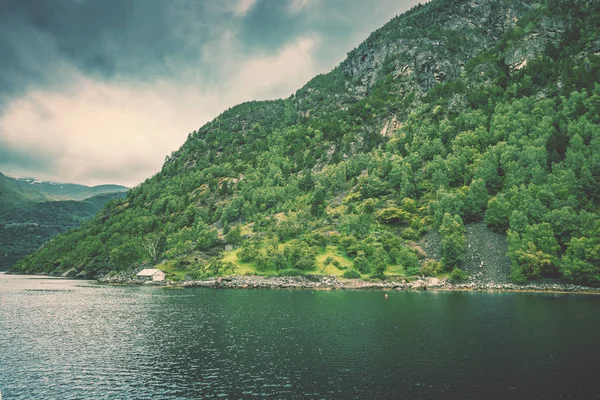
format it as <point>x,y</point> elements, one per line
<point>428,45</point>
<point>462,30</point>
<point>533,42</point>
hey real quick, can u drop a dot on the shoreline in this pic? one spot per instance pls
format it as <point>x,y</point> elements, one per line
<point>315,282</point>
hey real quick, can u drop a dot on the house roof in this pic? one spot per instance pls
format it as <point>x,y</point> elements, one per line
<point>150,272</point>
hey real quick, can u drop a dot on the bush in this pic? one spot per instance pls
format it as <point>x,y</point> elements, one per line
<point>431,268</point>
<point>410,234</point>
<point>317,239</point>
<point>351,274</point>
<point>458,275</point>
<point>392,215</point>
<point>404,256</point>
<point>196,274</point>
<point>247,253</point>
<point>300,255</point>
<point>361,263</point>
<point>452,232</point>
<point>516,275</point>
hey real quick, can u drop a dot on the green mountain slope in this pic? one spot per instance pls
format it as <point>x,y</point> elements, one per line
<point>33,211</point>
<point>13,195</point>
<point>24,228</point>
<point>66,191</point>
<point>453,113</point>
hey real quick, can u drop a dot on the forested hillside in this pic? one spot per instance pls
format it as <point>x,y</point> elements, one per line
<point>12,194</point>
<point>455,112</point>
<point>24,228</point>
<point>17,192</point>
<point>32,211</point>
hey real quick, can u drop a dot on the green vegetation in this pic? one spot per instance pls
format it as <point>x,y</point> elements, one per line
<point>19,193</point>
<point>457,275</point>
<point>28,225</point>
<point>12,194</point>
<point>351,274</point>
<point>292,183</point>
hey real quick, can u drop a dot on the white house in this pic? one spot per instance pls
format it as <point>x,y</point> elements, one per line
<point>151,274</point>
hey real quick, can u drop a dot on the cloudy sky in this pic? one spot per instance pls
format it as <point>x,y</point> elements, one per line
<point>99,91</point>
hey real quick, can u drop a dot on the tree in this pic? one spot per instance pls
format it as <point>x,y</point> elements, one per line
<point>125,255</point>
<point>581,263</point>
<point>533,252</point>
<point>329,260</point>
<point>215,266</point>
<point>379,266</point>
<point>317,206</point>
<point>205,237</point>
<point>405,257</point>
<point>231,267</point>
<point>247,253</point>
<point>361,263</point>
<point>154,244</point>
<point>453,241</point>
<point>496,216</point>
<point>300,255</point>
<point>476,201</point>
<point>234,236</point>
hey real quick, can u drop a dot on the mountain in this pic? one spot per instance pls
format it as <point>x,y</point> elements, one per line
<point>12,194</point>
<point>31,212</point>
<point>66,191</point>
<point>458,116</point>
<point>26,227</point>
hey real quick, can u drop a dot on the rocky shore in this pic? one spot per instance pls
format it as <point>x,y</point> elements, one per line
<point>317,282</point>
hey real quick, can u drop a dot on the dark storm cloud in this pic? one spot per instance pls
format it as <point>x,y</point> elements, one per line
<point>100,37</point>
<point>103,89</point>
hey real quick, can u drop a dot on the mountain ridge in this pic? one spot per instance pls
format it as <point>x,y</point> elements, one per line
<point>67,191</point>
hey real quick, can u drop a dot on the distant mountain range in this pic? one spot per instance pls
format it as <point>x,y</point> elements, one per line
<point>57,191</point>
<point>32,211</point>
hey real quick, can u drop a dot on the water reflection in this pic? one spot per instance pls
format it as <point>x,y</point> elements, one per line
<point>70,339</point>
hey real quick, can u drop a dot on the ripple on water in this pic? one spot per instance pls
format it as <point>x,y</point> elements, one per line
<point>71,339</point>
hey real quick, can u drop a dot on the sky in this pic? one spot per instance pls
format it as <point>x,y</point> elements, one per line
<point>100,91</point>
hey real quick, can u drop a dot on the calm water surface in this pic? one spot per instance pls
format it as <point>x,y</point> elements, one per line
<point>66,339</point>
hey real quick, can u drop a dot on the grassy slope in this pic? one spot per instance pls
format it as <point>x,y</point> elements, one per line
<point>249,268</point>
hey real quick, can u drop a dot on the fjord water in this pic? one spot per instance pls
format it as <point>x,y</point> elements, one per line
<point>67,339</point>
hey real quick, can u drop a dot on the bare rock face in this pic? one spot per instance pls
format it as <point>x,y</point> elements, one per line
<point>533,43</point>
<point>429,45</point>
<point>485,258</point>
<point>464,29</point>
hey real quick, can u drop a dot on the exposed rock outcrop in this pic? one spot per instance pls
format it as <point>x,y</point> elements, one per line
<point>464,29</point>
<point>533,43</point>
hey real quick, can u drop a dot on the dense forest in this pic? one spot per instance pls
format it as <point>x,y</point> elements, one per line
<point>33,211</point>
<point>28,225</point>
<point>454,113</point>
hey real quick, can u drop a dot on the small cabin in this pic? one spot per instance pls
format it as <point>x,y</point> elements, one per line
<point>151,274</point>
